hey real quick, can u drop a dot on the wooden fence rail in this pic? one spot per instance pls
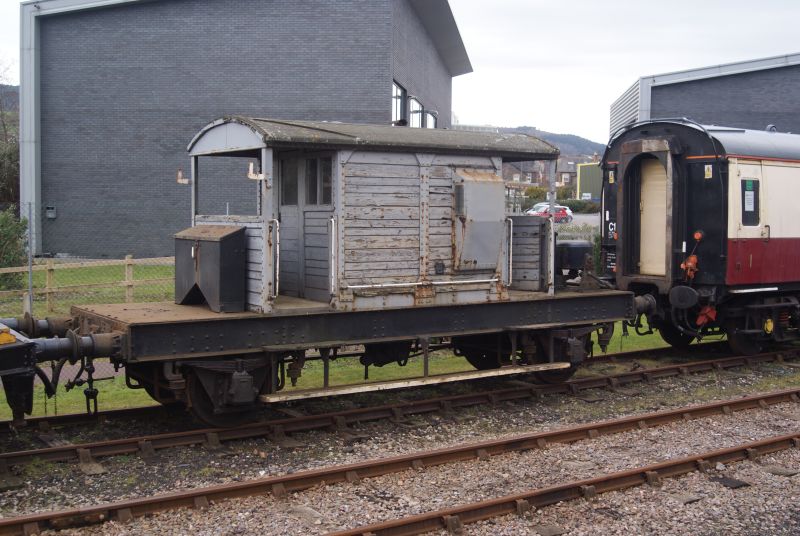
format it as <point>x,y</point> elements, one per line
<point>50,267</point>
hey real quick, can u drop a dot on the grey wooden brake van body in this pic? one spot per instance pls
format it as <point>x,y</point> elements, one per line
<point>362,217</point>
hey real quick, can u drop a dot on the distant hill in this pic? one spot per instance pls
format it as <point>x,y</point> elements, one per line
<point>10,96</point>
<point>568,144</point>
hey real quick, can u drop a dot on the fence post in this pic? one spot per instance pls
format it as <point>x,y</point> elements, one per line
<point>128,278</point>
<point>48,287</point>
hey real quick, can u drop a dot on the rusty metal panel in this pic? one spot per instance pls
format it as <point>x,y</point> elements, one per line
<point>480,220</point>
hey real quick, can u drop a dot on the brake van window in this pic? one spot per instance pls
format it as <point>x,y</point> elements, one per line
<point>750,202</point>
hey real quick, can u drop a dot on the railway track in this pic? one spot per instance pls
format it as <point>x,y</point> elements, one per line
<point>453,519</point>
<point>278,429</point>
<point>53,421</point>
<point>281,485</point>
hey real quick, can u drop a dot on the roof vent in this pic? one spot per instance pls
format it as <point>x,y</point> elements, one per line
<point>771,128</point>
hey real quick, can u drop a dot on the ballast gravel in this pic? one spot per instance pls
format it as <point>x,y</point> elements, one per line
<point>55,486</point>
<point>767,503</point>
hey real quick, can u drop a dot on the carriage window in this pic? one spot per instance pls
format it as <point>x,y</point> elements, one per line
<point>326,181</point>
<point>750,202</point>
<point>318,181</point>
<point>288,182</point>
<point>312,181</point>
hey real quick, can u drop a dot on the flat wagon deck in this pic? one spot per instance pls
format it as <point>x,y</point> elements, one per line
<point>157,331</point>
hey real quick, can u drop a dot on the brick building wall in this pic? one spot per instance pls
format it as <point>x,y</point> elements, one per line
<point>123,90</point>
<point>416,64</point>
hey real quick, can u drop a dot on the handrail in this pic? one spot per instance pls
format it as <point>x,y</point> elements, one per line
<point>423,283</point>
<point>510,250</point>
<point>332,256</point>
<point>277,256</point>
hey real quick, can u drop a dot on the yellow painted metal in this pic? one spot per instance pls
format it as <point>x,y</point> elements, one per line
<point>769,325</point>
<point>6,337</point>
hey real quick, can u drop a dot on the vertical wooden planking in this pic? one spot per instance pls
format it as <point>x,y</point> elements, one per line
<point>424,161</point>
<point>316,244</point>
<point>528,262</point>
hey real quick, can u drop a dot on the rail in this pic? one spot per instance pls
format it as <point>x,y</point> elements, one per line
<point>332,256</point>
<point>453,519</point>
<point>340,420</point>
<point>301,480</point>
<point>276,274</point>
<point>510,250</point>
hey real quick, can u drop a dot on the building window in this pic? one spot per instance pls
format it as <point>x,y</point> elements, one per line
<point>409,111</point>
<point>399,97</point>
<point>416,113</point>
<point>430,120</point>
<point>318,181</point>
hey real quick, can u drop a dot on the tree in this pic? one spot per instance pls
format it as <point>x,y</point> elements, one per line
<point>12,246</point>
<point>9,141</point>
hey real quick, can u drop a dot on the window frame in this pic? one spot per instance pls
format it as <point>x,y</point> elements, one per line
<point>428,115</point>
<point>399,102</point>
<point>416,114</point>
<point>320,193</point>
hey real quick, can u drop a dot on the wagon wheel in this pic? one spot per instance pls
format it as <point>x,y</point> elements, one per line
<point>673,336</point>
<point>560,350</point>
<point>148,375</point>
<point>741,343</point>
<point>481,351</point>
<point>201,406</point>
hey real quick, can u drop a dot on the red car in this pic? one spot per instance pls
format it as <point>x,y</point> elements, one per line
<point>561,214</point>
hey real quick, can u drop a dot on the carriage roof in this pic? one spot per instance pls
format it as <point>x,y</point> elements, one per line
<point>233,134</point>
<point>730,142</point>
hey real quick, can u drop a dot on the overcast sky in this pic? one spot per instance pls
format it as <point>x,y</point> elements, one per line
<point>558,65</point>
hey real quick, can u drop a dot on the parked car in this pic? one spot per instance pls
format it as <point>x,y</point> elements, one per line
<point>562,214</point>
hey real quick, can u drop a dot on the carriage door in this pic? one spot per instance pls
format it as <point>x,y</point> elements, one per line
<point>652,218</point>
<point>317,209</point>
<point>290,234</point>
<point>306,209</point>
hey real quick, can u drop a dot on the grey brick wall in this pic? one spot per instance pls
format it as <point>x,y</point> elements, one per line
<point>748,100</point>
<point>124,89</point>
<point>416,64</point>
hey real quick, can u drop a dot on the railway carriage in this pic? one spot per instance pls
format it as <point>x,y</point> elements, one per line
<point>701,223</point>
<point>386,239</point>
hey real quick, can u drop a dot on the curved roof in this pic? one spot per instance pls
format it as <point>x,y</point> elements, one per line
<point>743,142</point>
<point>333,135</point>
<point>734,142</point>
